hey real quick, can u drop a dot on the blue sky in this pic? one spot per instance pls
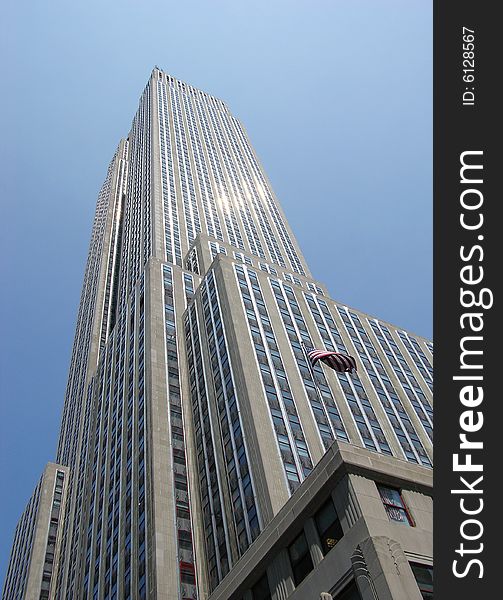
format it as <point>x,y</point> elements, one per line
<point>336,96</point>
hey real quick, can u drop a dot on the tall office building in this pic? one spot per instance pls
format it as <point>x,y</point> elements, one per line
<point>192,415</point>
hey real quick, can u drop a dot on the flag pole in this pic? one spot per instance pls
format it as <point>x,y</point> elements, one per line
<point>311,369</point>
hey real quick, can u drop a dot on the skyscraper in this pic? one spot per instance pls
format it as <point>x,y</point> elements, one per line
<point>192,413</point>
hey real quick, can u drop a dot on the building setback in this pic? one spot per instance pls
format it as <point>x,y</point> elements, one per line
<point>193,421</point>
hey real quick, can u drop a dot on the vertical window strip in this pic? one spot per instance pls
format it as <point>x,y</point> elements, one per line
<point>286,423</point>
<point>146,179</point>
<point>141,433</point>
<point>171,221</point>
<point>419,357</point>
<point>95,497</point>
<point>87,458</point>
<point>213,226</point>
<point>54,525</point>
<point>191,211</point>
<point>116,479</point>
<point>404,374</point>
<point>101,479</point>
<point>188,287</point>
<point>366,420</point>
<point>400,422</point>
<point>131,415</point>
<point>113,479</point>
<point>213,508</point>
<point>181,486</point>
<point>322,403</point>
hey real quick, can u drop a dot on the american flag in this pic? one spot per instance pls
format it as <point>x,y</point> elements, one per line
<point>339,362</point>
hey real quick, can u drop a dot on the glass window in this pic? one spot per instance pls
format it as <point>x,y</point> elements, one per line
<point>187,573</point>
<point>424,578</point>
<point>261,590</point>
<point>185,539</point>
<point>182,510</point>
<point>300,559</point>
<point>328,526</point>
<point>395,506</point>
<point>350,592</point>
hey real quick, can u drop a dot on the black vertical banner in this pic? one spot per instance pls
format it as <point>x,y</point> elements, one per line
<point>468,331</point>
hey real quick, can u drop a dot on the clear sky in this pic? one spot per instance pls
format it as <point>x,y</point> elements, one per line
<point>336,96</point>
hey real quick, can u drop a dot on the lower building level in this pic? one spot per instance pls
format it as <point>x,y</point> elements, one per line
<point>359,528</point>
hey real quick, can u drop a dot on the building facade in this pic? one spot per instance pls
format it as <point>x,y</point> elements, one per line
<point>192,415</point>
<point>37,539</point>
